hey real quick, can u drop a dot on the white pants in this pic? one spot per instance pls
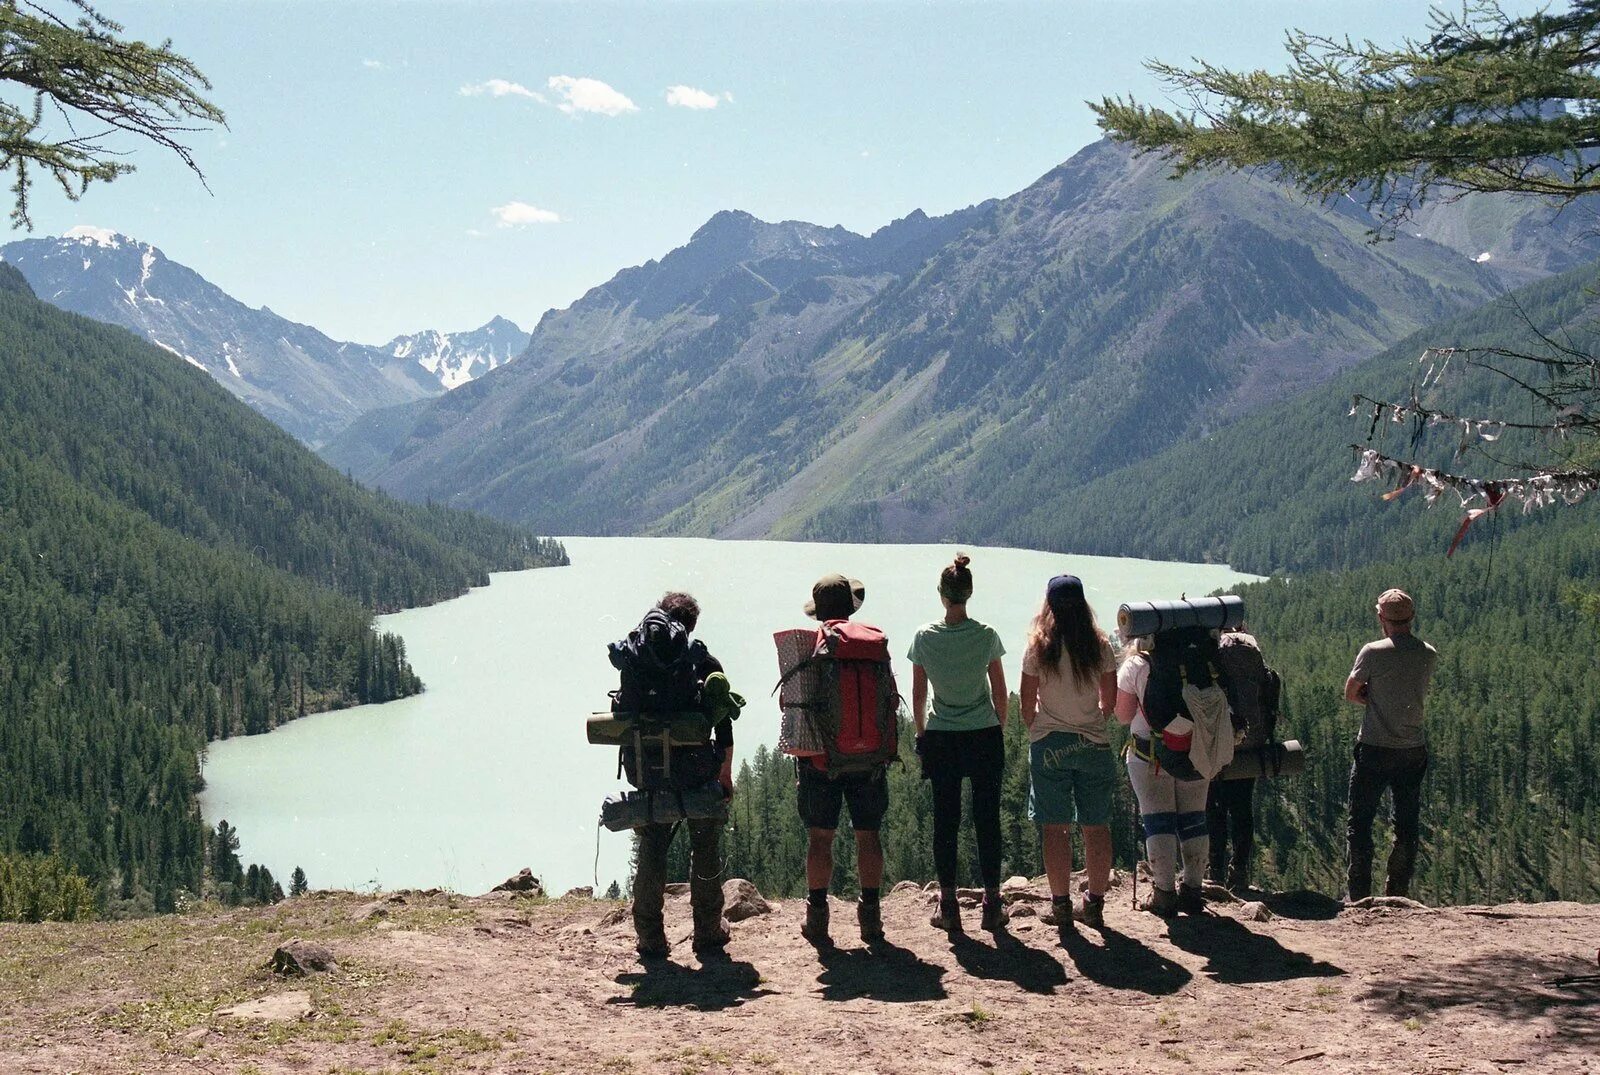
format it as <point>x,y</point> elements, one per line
<point>1174,815</point>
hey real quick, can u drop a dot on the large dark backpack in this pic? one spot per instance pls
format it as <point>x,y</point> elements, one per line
<point>854,703</point>
<point>1253,689</point>
<point>1183,656</point>
<point>661,672</point>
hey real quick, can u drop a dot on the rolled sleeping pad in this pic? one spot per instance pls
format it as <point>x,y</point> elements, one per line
<point>616,729</point>
<point>1273,759</point>
<point>1141,618</point>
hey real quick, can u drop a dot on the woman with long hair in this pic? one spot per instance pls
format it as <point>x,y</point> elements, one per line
<point>963,739</point>
<point>1069,690</point>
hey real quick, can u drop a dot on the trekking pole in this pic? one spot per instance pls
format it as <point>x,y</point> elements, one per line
<point>1133,811</point>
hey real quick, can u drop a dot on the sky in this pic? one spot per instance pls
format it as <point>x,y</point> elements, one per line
<point>390,167</point>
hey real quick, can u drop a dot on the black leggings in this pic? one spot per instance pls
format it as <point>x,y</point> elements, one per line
<point>978,756</point>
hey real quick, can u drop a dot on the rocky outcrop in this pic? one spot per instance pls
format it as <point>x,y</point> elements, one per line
<point>742,900</point>
<point>297,958</point>
<point>522,881</point>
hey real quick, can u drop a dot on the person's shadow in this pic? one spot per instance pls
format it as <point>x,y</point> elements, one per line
<point>719,982</point>
<point>883,972</point>
<point>1235,955</point>
<point>1120,962</point>
<point>1009,960</point>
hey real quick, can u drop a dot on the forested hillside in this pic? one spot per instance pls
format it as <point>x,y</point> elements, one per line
<point>1271,492</point>
<point>1512,808</point>
<point>174,568</point>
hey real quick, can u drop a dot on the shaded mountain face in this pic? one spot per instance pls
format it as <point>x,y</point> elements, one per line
<point>926,381</point>
<point>458,357</point>
<point>304,381</point>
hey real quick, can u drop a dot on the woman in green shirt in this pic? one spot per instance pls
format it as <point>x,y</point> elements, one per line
<point>963,739</point>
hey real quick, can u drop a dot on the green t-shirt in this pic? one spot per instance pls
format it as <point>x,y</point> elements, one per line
<point>956,658</point>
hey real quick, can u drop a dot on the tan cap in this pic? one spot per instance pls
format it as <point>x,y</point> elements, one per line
<point>1396,606</point>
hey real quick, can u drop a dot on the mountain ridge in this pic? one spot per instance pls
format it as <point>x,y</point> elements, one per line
<point>685,395</point>
<point>296,375</point>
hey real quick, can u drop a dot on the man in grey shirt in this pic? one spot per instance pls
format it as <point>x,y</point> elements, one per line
<point>1390,679</point>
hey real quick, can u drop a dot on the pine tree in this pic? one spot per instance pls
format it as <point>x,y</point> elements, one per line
<point>86,73</point>
<point>297,882</point>
<point>1486,103</point>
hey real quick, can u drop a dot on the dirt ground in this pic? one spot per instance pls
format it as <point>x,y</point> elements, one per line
<point>437,983</point>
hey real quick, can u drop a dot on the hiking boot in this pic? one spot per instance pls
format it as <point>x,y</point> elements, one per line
<point>1238,881</point>
<point>1161,901</point>
<point>1060,912</point>
<point>1190,900</point>
<point>815,929</point>
<point>714,940</point>
<point>1092,912</point>
<point>869,916</point>
<point>653,944</point>
<point>947,917</point>
<point>995,915</point>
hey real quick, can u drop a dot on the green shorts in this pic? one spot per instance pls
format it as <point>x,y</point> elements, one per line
<point>1071,780</point>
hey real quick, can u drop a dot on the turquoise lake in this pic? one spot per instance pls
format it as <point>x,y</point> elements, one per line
<point>488,770</point>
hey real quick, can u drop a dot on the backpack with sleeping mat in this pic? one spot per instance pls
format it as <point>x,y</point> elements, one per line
<point>851,704</point>
<point>1186,704</point>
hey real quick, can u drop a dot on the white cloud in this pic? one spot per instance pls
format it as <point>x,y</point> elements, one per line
<point>521,214</point>
<point>372,65</point>
<point>689,97</point>
<point>589,95</point>
<point>499,87</point>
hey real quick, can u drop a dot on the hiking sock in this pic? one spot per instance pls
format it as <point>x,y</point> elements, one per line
<point>818,897</point>
<point>869,895</point>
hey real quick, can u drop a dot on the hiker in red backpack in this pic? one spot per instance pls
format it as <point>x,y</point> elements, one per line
<point>964,739</point>
<point>856,711</point>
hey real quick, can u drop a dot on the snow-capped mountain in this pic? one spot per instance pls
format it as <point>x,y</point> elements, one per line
<point>458,357</point>
<point>305,381</point>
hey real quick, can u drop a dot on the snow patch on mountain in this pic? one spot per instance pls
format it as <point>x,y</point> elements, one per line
<point>458,357</point>
<point>87,233</point>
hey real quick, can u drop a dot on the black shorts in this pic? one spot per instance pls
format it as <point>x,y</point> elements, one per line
<point>820,798</point>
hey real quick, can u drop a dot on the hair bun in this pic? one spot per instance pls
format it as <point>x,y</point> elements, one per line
<point>962,559</point>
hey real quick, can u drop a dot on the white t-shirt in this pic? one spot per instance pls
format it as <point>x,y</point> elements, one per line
<point>1065,705</point>
<point>1132,677</point>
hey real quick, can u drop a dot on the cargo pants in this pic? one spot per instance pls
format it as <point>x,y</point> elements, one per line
<point>705,879</point>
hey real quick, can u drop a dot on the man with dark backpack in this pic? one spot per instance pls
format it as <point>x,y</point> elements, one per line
<point>665,673</point>
<point>1253,692</point>
<point>854,707</point>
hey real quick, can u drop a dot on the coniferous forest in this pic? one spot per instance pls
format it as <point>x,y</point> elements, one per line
<point>175,569</point>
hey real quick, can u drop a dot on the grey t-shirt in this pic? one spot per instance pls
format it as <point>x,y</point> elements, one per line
<point>1396,671</point>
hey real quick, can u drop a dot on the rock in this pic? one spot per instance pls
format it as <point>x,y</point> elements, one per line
<point>1024,910</point>
<point>678,888</point>
<point>905,886</point>
<point>278,1008</point>
<point>931,886</point>
<point>1255,911</point>
<point>741,900</point>
<point>298,957</point>
<point>524,881</point>
<point>582,892</point>
<point>1014,884</point>
<point>369,911</point>
<point>1216,893</point>
<point>197,1035</point>
<point>1391,903</point>
<point>616,916</point>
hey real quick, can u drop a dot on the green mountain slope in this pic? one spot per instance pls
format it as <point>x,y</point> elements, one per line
<point>926,381</point>
<point>173,568</point>
<point>1270,492</point>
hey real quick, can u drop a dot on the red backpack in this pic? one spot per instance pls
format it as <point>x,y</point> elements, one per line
<point>854,704</point>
